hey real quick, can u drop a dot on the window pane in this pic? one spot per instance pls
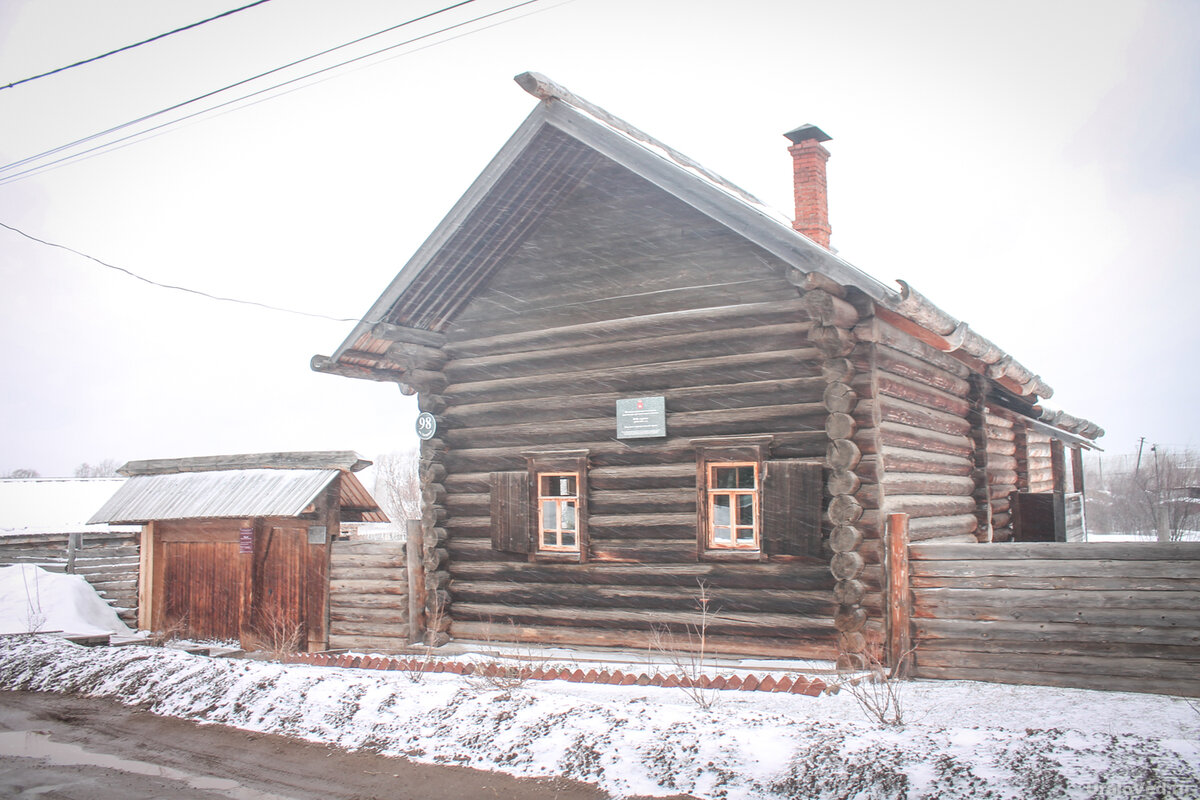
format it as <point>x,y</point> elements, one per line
<point>549,515</point>
<point>566,486</point>
<point>568,516</point>
<point>722,535</point>
<point>721,514</point>
<point>745,477</point>
<point>745,535</point>
<point>549,539</point>
<point>745,512</point>
<point>568,539</point>
<point>725,477</point>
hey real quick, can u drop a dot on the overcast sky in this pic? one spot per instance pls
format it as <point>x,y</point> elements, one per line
<point>1031,167</point>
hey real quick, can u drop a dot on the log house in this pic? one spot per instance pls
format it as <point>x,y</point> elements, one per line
<point>804,401</point>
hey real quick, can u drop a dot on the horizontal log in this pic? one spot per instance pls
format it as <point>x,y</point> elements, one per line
<point>913,483</point>
<point>346,628</point>
<point>1052,569</point>
<point>337,574</point>
<point>646,551</point>
<point>1001,448</point>
<point>912,391</point>
<point>820,645</point>
<point>642,378</point>
<point>905,460</point>
<point>630,352</point>
<point>1045,664</point>
<point>806,576</point>
<point>382,617</point>
<point>997,462</point>
<point>653,476</point>
<point>1173,553</point>
<point>346,600</point>
<point>1002,477</point>
<point>1184,687</point>
<point>370,644</point>
<point>882,333</point>
<point>374,561</point>
<point>401,333</point>
<point>919,506</point>
<point>1078,600</point>
<point>663,324</point>
<point>617,452</point>
<point>364,547</point>
<point>366,588</point>
<point>644,501</point>
<point>758,419</point>
<point>1001,519</point>
<point>896,435</point>
<point>669,598</point>
<point>892,362</point>
<point>1048,634</point>
<point>727,624</point>
<point>938,527</point>
<point>911,414</point>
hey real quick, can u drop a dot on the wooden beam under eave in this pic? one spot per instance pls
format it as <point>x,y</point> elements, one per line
<point>328,366</point>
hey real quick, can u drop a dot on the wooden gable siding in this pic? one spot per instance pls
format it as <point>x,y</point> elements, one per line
<point>623,291</point>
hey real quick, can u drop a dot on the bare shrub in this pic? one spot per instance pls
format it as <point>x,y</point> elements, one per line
<point>688,655</point>
<point>35,615</point>
<point>173,630</point>
<point>416,671</point>
<point>506,673</point>
<point>398,485</point>
<point>879,690</point>
<point>277,634</point>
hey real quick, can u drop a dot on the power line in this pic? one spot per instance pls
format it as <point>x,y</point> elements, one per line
<point>173,287</point>
<point>206,95</point>
<point>142,135</point>
<point>135,44</point>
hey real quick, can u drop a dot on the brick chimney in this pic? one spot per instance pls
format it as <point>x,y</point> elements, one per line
<point>808,170</point>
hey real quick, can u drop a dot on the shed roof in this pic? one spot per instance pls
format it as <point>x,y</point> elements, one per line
<point>232,494</point>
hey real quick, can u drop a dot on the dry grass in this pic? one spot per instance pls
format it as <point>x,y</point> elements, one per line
<point>689,655</point>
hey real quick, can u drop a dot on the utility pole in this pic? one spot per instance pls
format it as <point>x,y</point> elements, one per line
<point>1160,508</point>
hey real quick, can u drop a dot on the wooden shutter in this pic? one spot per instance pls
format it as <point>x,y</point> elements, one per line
<point>792,495</point>
<point>511,531</point>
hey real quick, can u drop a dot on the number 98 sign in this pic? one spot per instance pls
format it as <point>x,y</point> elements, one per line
<point>426,425</point>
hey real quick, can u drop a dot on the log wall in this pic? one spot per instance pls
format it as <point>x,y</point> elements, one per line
<point>368,596</point>
<point>1118,616</point>
<point>924,443</point>
<point>107,560</point>
<point>610,299</point>
<point>1003,470</point>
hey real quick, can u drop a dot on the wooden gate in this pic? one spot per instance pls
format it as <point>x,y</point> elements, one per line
<point>201,574</point>
<point>278,605</point>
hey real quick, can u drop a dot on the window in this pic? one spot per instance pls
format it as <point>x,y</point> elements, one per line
<point>733,506</point>
<point>751,507</point>
<point>558,512</point>
<point>541,511</point>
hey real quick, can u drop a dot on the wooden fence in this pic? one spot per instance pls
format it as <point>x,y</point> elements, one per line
<point>368,596</point>
<point>1119,616</point>
<point>107,560</point>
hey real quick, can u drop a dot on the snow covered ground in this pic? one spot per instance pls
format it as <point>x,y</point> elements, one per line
<point>958,740</point>
<point>32,599</point>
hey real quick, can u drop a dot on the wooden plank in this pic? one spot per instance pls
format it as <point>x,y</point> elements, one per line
<point>898,642</point>
<point>1051,596</point>
<point>668,598</point>
<point>804,576</point>
<point>1090,680</point>
<point>1068,551</point>
<point>1043,664</point>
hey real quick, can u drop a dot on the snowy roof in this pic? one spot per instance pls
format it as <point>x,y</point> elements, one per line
<point>33,506</point>
<point>230,494</point>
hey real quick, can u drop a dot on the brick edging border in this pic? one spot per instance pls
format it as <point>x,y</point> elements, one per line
<point>811,687</point>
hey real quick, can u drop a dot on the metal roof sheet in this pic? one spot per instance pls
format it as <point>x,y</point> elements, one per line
<point>209,495</point>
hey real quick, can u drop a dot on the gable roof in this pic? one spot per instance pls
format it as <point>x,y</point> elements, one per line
<point>552,151</point>
<point>237,486</point>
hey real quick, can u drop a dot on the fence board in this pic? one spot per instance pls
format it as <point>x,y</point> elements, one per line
<point>1120,616</point>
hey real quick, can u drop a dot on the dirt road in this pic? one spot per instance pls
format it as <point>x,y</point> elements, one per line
<point>58,746</point>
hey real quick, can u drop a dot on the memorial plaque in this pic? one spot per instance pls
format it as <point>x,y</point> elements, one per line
<point>246,540</point>
<point>641,418</point>
<point>316,534</point>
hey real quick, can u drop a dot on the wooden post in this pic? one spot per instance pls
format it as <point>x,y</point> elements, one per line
<point>899,605</point>
<point>145,589</point>
<point>74,542</point>
<point>1077,469</point>
<point>414,548</point>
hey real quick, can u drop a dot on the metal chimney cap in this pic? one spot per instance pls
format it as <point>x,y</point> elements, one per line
<point>806,132</point>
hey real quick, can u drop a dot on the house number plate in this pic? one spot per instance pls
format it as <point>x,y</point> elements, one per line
<point>426,425</point>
